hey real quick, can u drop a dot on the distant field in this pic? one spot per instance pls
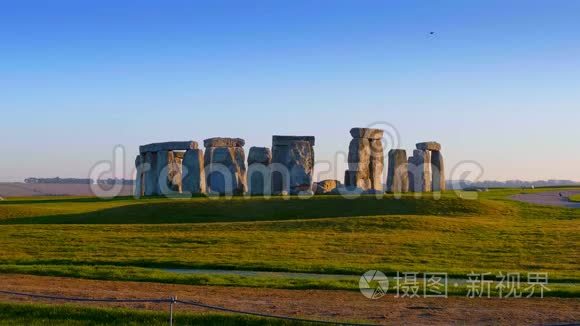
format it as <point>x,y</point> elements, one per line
<point>575,198</point>
<point>121,238</point>
<point>19,189</point>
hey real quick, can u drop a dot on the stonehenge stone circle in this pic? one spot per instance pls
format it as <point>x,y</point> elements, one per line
<point>193,176</point>
<point>365,160</point>
<point>181,167</point>
<point>259,173</point>
<point>293,164</point>
<point>398,174</point>
<point>225,166</point>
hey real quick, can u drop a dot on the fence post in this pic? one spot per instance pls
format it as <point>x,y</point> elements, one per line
<point>171,302</point>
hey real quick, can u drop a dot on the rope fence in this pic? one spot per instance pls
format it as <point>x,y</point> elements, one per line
<point>173,301</point>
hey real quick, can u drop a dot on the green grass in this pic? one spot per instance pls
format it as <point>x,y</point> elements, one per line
<point>71,315</point>
<point>575,198</point>
<point>119,239</point>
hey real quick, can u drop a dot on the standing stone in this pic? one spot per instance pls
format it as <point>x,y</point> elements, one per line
<point>365,160</point>
<point>139,160</point>
<point>259,173</point>
<point>438,171</point>
<point>193,180</point>
<point>163,158</point>
<point>420,171</point>
<point>151,176</point>
<point>377,164</point>
<point>226,166</point>
<point>174,171</point>
<point>398,175</point>
<point>294,155</point>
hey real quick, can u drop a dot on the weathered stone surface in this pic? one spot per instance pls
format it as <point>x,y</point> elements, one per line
<point>138,187</point>
<point>301,165</point>
<point>438,171</point>
<point>420,171</point>
<point>429,146</point>
<point>261,155</point>
<point>288,140</point>
<point>225,170</point>
<point>398,176</point>
<point>359,155</point>
<point>367,133</point>
<point>168,146</point>
<point>224,142</point>
<point>357,180</point>
<point>193,174</point>
<point>173,172</point>
<point>150,174</point>
<point>377,165</point>
<point>292,164</point>
<point>326,187</point>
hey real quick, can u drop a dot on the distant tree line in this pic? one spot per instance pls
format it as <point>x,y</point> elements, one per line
<point>79,181</point>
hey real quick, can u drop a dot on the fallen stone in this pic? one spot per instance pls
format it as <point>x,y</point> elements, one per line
<point>367,133</point>
<point>429,146</point>
<point>168,146</point>
<point>326,187</point>
<point>224,142</point>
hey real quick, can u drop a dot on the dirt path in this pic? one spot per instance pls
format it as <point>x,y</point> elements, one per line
<point>551,198</point>
<point>328,305</point>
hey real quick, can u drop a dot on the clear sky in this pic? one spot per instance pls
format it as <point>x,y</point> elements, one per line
<point>498,82</point>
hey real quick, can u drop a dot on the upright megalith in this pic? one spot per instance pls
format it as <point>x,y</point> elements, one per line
<point>225,166</point>
<point>438,171</point>
<point>161,167</point>
<point>138,187</point>
<point>150,176</point>
<point>292,164</point>
<point>193,175</point>
<point>419,168</point>
<point>259,173</point>
<point>436,164</point>
<point>398,173</point>
<point>365,159</point>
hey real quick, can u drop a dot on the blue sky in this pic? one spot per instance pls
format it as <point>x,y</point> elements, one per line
<point>497,83</point>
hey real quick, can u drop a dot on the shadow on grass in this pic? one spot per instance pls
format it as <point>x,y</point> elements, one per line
<point>244,210</point>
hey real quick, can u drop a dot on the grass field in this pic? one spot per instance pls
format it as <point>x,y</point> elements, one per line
<point>124,239</point>
<point>71,315</point>
<point>575,198</point>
